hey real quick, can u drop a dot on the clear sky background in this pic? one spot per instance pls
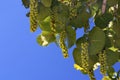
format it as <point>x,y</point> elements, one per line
<point>21,58</point>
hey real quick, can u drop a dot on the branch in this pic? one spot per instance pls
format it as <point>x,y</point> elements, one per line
<point>104,6</point>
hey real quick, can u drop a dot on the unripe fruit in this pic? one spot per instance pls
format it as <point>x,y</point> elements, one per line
<point>33,15</point>
<point>84,56</point>
<point>62,44</point>
<point>102,60</point>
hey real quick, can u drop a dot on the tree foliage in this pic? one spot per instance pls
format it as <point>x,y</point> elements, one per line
<point>59,20</point>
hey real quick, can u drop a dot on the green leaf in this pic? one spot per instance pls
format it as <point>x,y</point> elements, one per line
<point>76,22</point>
<point>71,36</point>
<point>96,40</point>
<point>93,59</point>
<point>26,3</point>
<point>103,20</point>
<point>93,9</point>
<point>108,42</point>
<point>43,12</point>
<point>45,24</point>
<point>61,17</point>
<point>77,56</point>
<point>116,29</point>
<point>80,40</point>
<point>77,59</point>
<point>82,19</point>
<point>45,38</point>
<point>112,2</point>
<point>117,43</point>
<point>46,3</point>
<point>112,57</point>
<point>62,13</point>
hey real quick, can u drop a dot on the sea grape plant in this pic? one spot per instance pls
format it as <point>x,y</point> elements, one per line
<point>59,20</point>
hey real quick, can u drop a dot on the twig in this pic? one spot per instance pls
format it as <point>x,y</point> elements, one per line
<point>104,6</point>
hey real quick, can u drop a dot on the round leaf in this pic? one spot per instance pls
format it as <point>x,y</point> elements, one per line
<point>77,59</point>
<point>80,40</point>
<point>112,57</point>
<point>103,20</point>
<point>93,59</point>
<point>96,40</point>
<point>77,56</point>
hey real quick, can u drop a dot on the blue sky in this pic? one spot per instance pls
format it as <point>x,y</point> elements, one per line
<point>21,58</point>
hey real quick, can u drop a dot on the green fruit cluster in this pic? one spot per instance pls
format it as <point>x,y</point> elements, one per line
<point>62,44</point>
<point>91,74</point>
<point>33,15</point>
<point>53,20</point>
<point>103,63</point>
<point>84,56</point>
